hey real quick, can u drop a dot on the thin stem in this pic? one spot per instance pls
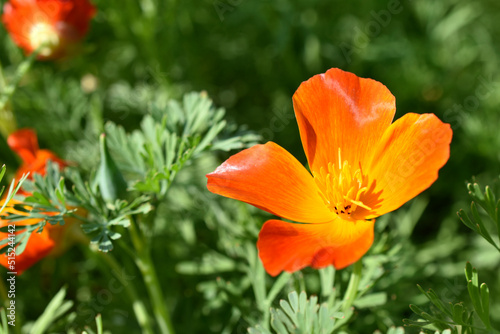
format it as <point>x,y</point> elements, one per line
<point>7,120</point>
<point>352,288</point>
<point>257,275</point>
<point>327,279</point>
<point>2,79</point>
<point>147,269</point>
<point>138,306</point>
<point>22,69</point>
<point>155,293</point>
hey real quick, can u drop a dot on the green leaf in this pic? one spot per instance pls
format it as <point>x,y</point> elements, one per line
<point>2,173</point>
<point>278,285</point>
<point>55,309</point>
<point>300,315</point>
<point>13,189</point>
<point>476,191</point>
<point>327,279</point>
<point>485,303</point>
<point>497,217</point>
<point>466,220</point>
<point>261,330</point>
<point>371,300</point>
<point>449,316</point>
<point>396,330</point>
<point>21,242</point>
<point>211,263</point>
<point>489,203</point>
<point>279,322</point>
<point>490,200</point>
<point>109,178</point>
<point>481,228</point>
<point>458,313</point>
<point>98,321</point>
<point>292,307</point>
<point>468,271</point>
<point>416,309</point>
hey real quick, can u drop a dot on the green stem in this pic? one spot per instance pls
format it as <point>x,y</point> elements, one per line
<point>7,119</point>
<point>147,269</point>
<point>352,288</point>
<point>2,79</point>
<point>257,275</point>
<point>138,306</point>
<point>22,69</point>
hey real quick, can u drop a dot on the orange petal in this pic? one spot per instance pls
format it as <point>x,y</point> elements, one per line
<point>336,110</point>
<point>39,164</point>
<point>270,178</point>
<point>406,161</point>
<point>25,143</point>
<point>39,244</point>
<point>291,247</point>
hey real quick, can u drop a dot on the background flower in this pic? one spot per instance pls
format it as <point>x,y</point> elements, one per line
<point>54,26</point>
<point>54,239</point>
<point>24,143</point>
<point>39,245</point>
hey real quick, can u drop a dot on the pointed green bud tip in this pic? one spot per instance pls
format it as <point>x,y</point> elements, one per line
<point>109,178</point>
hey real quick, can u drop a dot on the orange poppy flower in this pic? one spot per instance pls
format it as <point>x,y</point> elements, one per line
<point>53,25</point>
<point>34,160</point>
<point>39,245</point>
<point>54,238</point>
<point>362,167</point>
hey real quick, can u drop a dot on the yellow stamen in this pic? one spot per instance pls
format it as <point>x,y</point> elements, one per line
<point>342,188</point>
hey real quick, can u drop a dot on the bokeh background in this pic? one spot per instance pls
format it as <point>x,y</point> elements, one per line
<point>437,57</point>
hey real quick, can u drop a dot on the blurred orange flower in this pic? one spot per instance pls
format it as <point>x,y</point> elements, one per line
<point>362,167</point>
<point>54,238</point>
<point>54,26</point>
<point>34,160</point>
<point>39,245</point>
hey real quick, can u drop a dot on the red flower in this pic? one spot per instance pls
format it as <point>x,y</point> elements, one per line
<point>54,238</point>
<point>362,167</point>
<point>53,25</point>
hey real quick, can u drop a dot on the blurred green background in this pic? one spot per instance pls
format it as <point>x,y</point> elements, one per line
<point>250,56</point>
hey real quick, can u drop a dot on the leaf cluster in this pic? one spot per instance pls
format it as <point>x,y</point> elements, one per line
<point>149,158</point>
<point>456,317</point>
<point>488,202</point>
<point>56,309</point>
<point>300,315</point>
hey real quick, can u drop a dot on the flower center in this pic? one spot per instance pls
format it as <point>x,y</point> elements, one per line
<point>341,187</point>
<point>44,36</point>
